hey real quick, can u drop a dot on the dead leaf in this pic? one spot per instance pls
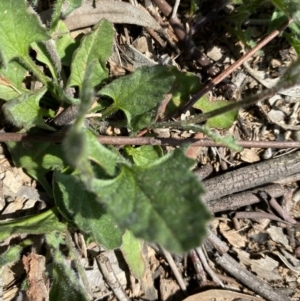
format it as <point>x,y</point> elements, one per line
<point>215,53</point>
<point>4,81</point>
<point>264,267</point>
<point>169,290</point>
<point>276,115</point>
<point>34,266</point>
<point>115,12</point>
<point>250,155</point>
<point>233,237</point>
<point>147,283</point>
<point>277,235</point>
<point>220,295</point>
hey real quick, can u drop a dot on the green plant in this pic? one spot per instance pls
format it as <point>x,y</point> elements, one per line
<point>95,188</point>
<point>107,195</point>
<point>278,14</point>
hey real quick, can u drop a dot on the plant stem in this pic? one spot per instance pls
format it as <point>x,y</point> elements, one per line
<point>108,111</point>
<point>34,68</point>
<point>124,140</point>
<point>241,104</point>
<point>233,67</point>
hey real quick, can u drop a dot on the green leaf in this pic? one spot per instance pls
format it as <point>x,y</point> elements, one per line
<point>11,79</point>
<point>80,144</point>
<point>65,285</point>
<point>290,8</point>
<point>73,4</point>
<point>38,158</point>
<point>81,207</point>
<point>42,55</point>
<point>228,141</point>
<point>38,224</point>
<point>18,29</point>
<point>185,85</point>
<point>139,93</point>
<point>65,44</point>
<point>144,154</point>
<point>101,155</point>
<point>13,253</point>
<point>293,40</point>
<point>25,111</point>
<point>156,202</point>
<point>223,121</point>
<point>94,46</point>
<point>291,75</point>
<point>56,15</point>
<point>132,250</point>
<point>194,6</point>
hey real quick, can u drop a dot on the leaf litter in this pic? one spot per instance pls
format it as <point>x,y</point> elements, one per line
<point>256,243</point>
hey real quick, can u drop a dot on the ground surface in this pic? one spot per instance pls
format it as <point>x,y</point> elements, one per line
<point>260,244</point>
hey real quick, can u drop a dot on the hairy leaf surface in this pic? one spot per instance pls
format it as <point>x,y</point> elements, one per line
<point>11,79</point>
<point>132,249</point>
<point>18,29</point>
<point>81,207</point>
<point>38,158</point>
<point>65,285</point>
<point>38,224</point>
<point>222,121</point>
<point>26,112</point>
<point>157,201</point>
<point>90,51</point>
<point>139,93</point>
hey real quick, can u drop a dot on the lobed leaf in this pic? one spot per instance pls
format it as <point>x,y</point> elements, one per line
<point>139,93</point>
<point>159,202</point>
<point>25,111</point>
<point>81,207</point>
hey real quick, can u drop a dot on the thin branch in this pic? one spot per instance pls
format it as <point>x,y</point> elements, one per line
<point>208,268</point>
<point>248,101</point>
<point>242,199</point>
<point>109,275</point>
<point>247,278</point>
<point>258,215</point>
<point>174,269</point>
<point>198,267</point>
<point>124,140</point>
<point>233,67</point>
<point>250,176</point>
